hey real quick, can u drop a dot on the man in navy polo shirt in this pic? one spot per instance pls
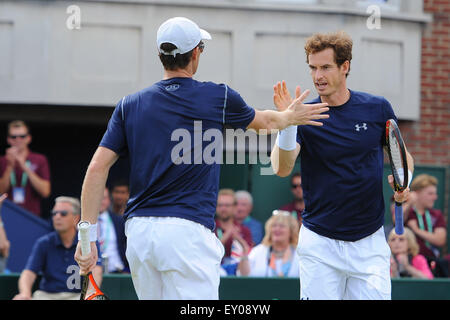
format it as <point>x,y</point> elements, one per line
<point>342,248</point>
<point>171,247</point>
<point>52,257</point>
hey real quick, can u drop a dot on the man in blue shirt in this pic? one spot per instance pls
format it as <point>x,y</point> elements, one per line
<point>167,130</point>
<point>342,249</point>
<point>52,257</point>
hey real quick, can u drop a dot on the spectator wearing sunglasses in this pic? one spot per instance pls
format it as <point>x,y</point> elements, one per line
<point>24,175</point>
<point>297,206</point>
<point>52,257</point>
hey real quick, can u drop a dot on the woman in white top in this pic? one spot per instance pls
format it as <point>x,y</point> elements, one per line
<point>275,256</point>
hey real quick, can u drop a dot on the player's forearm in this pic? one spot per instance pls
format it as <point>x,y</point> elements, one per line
<point>283,161</point>
<point>94,183</point>
<point>278,120</point>
<point>410,160</point>
<point>268,121</point>
<point>92,193</point>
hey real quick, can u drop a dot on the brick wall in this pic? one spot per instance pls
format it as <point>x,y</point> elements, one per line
<point>428,140</point>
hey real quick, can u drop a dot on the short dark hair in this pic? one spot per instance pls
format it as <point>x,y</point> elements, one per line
<point>119,183</point>
<point>180,61</point>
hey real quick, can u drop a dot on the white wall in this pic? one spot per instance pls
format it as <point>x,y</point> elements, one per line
<point>255,43</point>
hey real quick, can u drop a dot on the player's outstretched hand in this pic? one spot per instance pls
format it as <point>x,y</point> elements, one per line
<point>306,114</point>
<point>281,97</point>
<point>86,262</point>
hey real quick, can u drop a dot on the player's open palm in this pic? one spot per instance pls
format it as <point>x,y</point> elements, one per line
<point>281,97</point>
<point>306,114</point>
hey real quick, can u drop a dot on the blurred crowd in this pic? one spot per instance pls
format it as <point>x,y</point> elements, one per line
<point>253,248</point>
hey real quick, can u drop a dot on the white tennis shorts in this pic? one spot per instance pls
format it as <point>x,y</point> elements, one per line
<point>335,270</point>
<point>173,259</point>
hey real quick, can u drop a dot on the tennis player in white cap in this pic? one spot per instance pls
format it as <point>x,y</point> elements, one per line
<point>171,248</point>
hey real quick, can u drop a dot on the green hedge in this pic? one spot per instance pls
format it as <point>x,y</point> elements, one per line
<point>120,287</point>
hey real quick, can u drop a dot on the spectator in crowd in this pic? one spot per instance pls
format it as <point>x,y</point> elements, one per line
<point>297,206</point>
<point>406,261</point>
<point>120,193</point>
<point>275,256</point>
<point>236,238</point>
<point>427,223</point>
<point>244,207</point>
<point>24,175</point>
<point>53,257</point>
<point>4,243</point>
<point>112,240</point>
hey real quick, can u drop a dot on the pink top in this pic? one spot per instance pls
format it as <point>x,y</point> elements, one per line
<point>420,263</point>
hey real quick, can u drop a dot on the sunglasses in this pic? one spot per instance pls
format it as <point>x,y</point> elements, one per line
<point>281,213</point>
<point>22,136</point>
<point>294,186</point>
<point>61,212</point>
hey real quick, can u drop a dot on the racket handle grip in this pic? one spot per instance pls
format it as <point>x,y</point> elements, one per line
<point>83,228</point>
<point>398,218</point>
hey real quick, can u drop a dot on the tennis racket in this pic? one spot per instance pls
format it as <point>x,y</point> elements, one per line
<point>88,278</point>
<point>399,167</point>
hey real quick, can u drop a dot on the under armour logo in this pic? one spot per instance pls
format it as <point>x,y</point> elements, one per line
<point>358,127</point>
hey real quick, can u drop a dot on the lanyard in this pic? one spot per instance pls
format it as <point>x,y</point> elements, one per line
<point>271,264</point>
<point>24,176</point>
<point>429,224</point>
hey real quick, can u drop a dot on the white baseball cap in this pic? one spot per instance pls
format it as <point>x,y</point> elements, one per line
<point>182,33</point>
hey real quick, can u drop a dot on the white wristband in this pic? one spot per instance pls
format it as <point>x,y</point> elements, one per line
<point>287,138</point>
<point>92,233</point>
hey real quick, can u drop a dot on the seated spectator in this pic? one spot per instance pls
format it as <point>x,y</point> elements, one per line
<point>4,242</point>
<point>236,238</point>
<point>53,257</point>
<point>427,224</point>
<point>24,175</point>
<point>244,206</point>
<point>111,238</point>
<point>275,256</point>
<point>297,206</point>
<point>406,261</point>
<point>120,193</point>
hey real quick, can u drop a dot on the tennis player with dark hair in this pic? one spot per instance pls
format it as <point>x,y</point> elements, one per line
<point>171,248</point>
<point>342,247</point>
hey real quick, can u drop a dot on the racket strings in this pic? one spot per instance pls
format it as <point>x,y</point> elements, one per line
<point>396,158</point>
